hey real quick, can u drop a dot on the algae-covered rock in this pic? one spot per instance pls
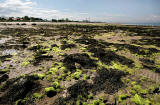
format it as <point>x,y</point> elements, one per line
<point>38,76</point>
<point>50,91</point>
<point>20,102</point>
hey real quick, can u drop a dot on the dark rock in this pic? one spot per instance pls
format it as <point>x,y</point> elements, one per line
<point>156,90</point>
<point>3,77</point>
<point>83,59</point>
<point>15,89</point>
<point>63,47</point>
<point>54,45</point>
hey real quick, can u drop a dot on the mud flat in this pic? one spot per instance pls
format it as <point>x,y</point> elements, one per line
<point>79,64</point>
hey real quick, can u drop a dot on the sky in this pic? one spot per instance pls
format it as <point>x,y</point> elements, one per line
<point>111,11</point>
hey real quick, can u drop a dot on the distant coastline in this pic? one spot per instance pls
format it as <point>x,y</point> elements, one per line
<point>144,24</point>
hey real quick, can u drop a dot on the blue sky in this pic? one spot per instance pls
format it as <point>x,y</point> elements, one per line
<point>113,11</point>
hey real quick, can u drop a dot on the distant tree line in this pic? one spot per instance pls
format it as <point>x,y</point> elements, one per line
<point>19,19</point>
<point>33,19</point>
<point>63,20</point>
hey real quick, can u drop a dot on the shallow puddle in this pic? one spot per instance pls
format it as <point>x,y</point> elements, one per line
<point>9,52</point>
<point>7,43</point>
<point>4,40</point>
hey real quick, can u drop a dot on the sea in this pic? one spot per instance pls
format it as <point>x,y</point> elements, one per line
<point>144,24</point>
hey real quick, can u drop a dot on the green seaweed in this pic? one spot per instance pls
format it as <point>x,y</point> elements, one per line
<point>123,97</point>
<point>119,66</point>
<point>90,96</point>
<point>139,100</point>
<point>86,77</point>
<point>49,77</point>
<point>37,96</point>
<point>25,63</point>
<point>5,70</point>
<point>50,91</point>
<point>38,76</point>
<point>77,74</point>
<point>56,84</point>
<point>20,102</point>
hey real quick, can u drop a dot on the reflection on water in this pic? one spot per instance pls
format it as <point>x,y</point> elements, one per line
<point>1,67</point>
<point>7,41</point>
<point>9,52</point>
<point>4,40</point>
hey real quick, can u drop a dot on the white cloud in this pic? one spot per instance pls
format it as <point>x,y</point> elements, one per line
<point>19,8</point>
<point>22,8</point>
<point>154,18</point>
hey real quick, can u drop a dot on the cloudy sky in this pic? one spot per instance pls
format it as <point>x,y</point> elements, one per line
<point>118,11</point>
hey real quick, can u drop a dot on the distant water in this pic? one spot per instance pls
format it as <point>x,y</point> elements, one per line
<point>144,24</point>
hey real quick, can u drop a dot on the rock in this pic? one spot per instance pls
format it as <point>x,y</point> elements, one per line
<point>156,90</point>
<point>3,77</point>
<point>15,89</point>
<point>81,60</point>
